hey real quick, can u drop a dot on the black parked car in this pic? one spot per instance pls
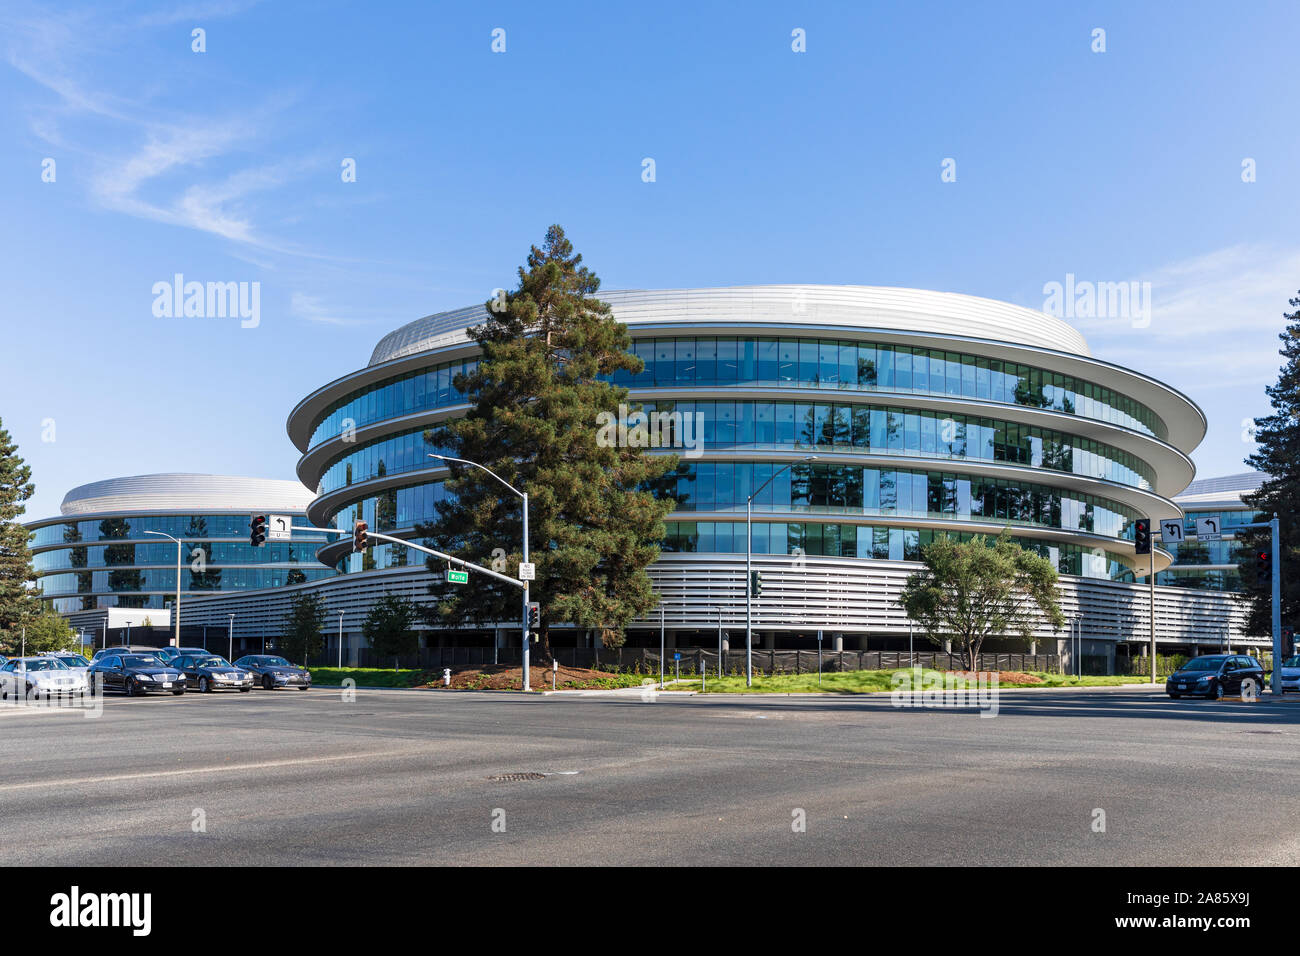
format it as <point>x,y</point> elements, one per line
<point>134,674</point>
<point>275,672</point>
<point>1215,675</point>
<point>169,654</point>
<point>208,672</point>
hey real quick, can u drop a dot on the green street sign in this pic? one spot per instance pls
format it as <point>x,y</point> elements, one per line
<point>458,577</point>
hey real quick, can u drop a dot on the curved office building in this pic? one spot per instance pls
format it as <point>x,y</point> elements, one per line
<point>926,412</point>
<point>99,553</point>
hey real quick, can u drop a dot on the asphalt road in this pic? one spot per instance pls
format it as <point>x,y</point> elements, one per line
<point>402,777</point>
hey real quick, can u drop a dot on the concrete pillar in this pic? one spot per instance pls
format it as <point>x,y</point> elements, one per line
<point>769,641</point>
<point>726,642</point>
<point>670,638</point>
<point>837,642</point>
<point>1033,647</point>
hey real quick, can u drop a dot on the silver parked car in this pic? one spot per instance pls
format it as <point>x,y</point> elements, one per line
<point>30,677</point>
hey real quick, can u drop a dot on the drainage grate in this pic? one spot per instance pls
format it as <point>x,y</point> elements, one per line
<point>512,777</point>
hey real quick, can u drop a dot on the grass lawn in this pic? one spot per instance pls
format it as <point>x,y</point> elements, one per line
<point>866,682</point>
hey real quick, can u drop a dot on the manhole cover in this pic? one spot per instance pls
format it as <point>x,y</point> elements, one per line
<point>511,777</point>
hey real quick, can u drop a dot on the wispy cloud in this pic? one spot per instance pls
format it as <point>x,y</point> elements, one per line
<point>1214,319</point>
<point>313,309</point>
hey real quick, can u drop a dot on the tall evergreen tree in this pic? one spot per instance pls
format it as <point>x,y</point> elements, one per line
<point>388,626</point>
<point>539,392</point>
<point>17,600</point>
<point>301,635</point>
<point>1277,455</point>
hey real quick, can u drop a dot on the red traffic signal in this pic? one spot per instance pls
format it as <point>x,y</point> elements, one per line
<point>257,530</point>
<point>1142,536</point>
<point>1263,569</point>
<point>360,541</point>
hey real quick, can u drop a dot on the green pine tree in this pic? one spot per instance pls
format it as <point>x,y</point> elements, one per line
<point>18,601</point>
<point>1277,455</point>
<point>388,627</point>
<point>539,397</point>
<point>301,638</point>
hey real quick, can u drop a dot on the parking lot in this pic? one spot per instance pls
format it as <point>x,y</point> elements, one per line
<point>405,777</point>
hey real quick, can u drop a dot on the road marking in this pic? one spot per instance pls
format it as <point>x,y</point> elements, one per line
<point>153,774</point>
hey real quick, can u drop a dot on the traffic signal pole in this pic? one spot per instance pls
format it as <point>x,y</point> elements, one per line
<point>1151,594</point>
<point>1276,683</point>
<point>523,585</point>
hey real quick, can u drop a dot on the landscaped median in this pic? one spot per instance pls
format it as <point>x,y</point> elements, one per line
<point>882,681</point>
<point>570,678</point>
<point>491,677</point>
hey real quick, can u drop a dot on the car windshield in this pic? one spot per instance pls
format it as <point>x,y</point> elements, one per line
<point>1203,664</point>
<point>1292,661</point>
<point>211,662</point>
<point>74,660</point>
<point>141,660</point>
<point>46,664</point>
<point>275,662</point>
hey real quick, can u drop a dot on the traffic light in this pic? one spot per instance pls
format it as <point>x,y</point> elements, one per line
<point>257,530</point>
<point>1142,536</point>
<point>534,615</point>
<point>1263,569</point>
<point>359,539</point>
<point>755,583</point>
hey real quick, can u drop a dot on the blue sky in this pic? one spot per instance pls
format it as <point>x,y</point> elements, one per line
<point>771,166</point>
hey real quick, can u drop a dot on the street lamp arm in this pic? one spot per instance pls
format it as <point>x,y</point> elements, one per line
<point>465,461</point>
<point>776,474</point>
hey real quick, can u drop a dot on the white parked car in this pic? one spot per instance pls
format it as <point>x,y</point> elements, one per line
<point>71,660</point>
<point>1291,674</point>
<point>30,677</point>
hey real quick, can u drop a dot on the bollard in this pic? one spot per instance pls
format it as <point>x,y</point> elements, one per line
<point>446,677</point>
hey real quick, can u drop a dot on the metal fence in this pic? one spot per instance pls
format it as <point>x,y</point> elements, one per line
<point>646,660</point>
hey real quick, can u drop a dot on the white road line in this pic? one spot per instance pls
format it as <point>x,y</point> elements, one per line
<point>228,768</point>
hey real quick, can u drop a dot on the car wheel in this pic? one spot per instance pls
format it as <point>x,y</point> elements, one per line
<point>1218,692</point>
<point>1176,696</point>
<point>178,692</point>
<point>267,683</point>
<point>128,688</point>
<point>245,690</point>
<point>204,686</point>
<point>302,688</point>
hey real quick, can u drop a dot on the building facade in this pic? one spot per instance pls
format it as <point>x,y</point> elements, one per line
<point>925,412</point>
<point>106,548</point>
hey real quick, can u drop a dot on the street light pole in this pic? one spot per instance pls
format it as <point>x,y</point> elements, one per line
<point>749,573</point>
<point>340,640</point>
<point>176,638</point>
<point>231,652</point>
<point>523,495</point>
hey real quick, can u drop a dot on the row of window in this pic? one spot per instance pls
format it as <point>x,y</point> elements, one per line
<point>794,538</point>
<point>185,527</point>
<point>1227,519</point>
<point>1209,580</point>
<point>824,489</point>
<point>707,361</point>
<point>880,430</point>
<point>1194,552</point>
<point>164,579</point>
<point>830,363</point>
<point>215,554</point>
<point>778,425</point>
<point>392,398</point>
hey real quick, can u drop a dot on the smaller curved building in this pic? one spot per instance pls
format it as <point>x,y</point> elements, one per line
<point>1212,565</point>
<point>98,553</point>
